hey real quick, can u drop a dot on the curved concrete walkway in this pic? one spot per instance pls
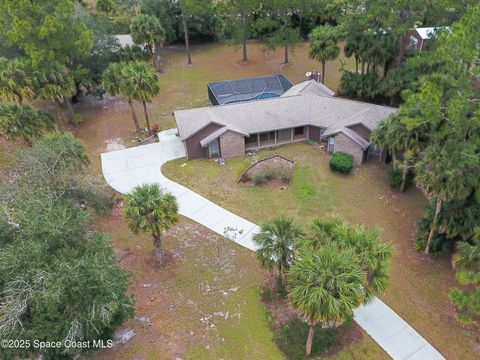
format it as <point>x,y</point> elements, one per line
<point>125,169</point>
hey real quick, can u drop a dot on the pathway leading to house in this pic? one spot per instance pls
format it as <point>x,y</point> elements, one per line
<point>125,169</point>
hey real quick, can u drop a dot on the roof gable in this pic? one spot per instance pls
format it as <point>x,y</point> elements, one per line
<point>278,113</point>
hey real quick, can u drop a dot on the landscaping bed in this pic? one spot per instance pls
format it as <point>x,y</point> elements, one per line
<point>274,171</point>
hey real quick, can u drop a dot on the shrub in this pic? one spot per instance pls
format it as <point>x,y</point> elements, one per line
<point>268,173</point>
<point>395,178</point>
<point>268,295</point>
<point>341,162</point>
<point>360,86</point>
<point>291,338</point>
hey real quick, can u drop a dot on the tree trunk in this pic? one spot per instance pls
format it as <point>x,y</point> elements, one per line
<point>323,72</point>
<point>434,225</point>
<point>308,346</point>
<point>157,241</point>
<point>363,67</point>
<point>394,156</point>
<point>156,56</point>
<point>68,107</point>
<point>187,40</point>
<point>134,116</point>
<point>356,65</point>
<point>401,52</point>
<point>286,54</point>
<point>244,42</point>
<point>147,120</point>
<point>404,176</point>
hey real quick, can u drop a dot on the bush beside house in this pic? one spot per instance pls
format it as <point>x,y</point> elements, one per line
<point>341,162</point>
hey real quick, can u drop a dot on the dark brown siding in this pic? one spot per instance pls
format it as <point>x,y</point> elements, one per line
<point>361,130</point>
<point>192,144</point>
<point>420,42</point>
<point>314,133</point>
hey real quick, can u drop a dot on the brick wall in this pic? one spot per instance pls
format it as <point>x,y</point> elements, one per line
<point>232,144</point>
<point>344,144</point>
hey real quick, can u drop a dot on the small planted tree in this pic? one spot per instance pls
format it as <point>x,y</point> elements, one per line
<point>337,268</point>
<point>150,210</point>
<point>323,45</point>
<point>324,287</point>
<point>276,243</point>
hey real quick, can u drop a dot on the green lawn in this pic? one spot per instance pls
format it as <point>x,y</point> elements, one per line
<point>419,285</point>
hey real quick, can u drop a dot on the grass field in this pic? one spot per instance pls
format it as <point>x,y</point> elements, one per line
<point>172,319</point>
<point>420,285</point>
<point>203,303</point>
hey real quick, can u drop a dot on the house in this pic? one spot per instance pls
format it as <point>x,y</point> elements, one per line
<point>305,112</point>
<point>418,38</point>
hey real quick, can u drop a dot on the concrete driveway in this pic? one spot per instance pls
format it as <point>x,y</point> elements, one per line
<point>125,169</point>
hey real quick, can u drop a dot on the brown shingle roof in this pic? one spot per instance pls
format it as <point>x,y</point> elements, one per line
<point>328,112</point>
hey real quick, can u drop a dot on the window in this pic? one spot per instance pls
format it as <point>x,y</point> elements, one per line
<point>284,135</point>
<point>298,131</point>
<point>214,148</point>
<point>331,144</point>
<point>373,150</point>
<point>251,140</point>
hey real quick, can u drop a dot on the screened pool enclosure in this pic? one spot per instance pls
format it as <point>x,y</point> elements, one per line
<point>246,89</point>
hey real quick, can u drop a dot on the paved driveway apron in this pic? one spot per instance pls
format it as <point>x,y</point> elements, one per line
<point>125,169</point>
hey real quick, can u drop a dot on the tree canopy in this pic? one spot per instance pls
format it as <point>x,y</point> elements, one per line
<point>59,279</point>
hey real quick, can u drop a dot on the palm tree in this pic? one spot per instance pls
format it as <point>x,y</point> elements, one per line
<point>403,132</point>
<point>53,82</point>
<point>146,29</point>
<point>149,209</point>
<point>323,45</point>
<point>325,286</point>
<point>447,173</point>
<point>15,80</point>
<point>140,83</point>
<point>23,121</point>
<point>276,244</point>
<point>373,255</point>
<point>113,83</point>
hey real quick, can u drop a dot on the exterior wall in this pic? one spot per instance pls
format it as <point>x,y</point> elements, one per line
<point>314,133</point>
<point>232,144</point>
<point>361,130</point>
<point>344,144</point>
<point>413,34</point>
<point>192,144</point>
